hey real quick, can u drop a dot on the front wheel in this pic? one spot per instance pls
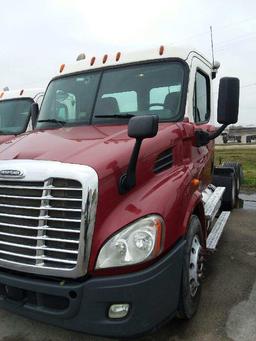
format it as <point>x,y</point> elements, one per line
<point>192,271</point>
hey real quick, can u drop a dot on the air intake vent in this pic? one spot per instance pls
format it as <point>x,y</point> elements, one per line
<point>164,161</point>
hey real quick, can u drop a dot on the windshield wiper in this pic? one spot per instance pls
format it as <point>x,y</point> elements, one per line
<point>53,120</point>
<point>115,116</point>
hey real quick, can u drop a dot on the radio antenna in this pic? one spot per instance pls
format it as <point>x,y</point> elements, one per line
<point>212,45</point>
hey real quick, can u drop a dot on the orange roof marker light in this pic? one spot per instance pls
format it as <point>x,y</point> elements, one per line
<point>118,56</point>
<point>104,58</point>
<point>1,95</point>
<point>93,60</point>
<point>62,67</point>
<point>161,50</point>
<point>21,92</point>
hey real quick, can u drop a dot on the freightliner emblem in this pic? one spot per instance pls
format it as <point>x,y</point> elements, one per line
<point>11,173</point>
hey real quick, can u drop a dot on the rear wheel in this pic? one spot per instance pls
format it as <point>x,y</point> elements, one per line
<point>192,271</point>
<point>238,174</point>
<point>226,177</point>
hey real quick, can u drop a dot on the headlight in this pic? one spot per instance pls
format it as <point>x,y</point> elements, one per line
<point>136,243</point>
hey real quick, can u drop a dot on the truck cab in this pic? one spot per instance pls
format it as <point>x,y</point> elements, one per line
<point>15,107</point>
<point>110,206</point>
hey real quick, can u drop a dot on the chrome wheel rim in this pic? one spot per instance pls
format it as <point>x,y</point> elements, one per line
<point>195,266</point>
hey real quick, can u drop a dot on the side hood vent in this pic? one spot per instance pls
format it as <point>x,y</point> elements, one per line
<point>164,161</point>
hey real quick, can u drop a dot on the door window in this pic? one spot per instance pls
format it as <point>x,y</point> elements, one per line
<point>201,98</point>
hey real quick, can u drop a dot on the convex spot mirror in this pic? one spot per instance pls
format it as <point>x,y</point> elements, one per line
<point>141,127</point>
<point>228,100</point>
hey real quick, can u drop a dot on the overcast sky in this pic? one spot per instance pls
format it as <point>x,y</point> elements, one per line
<point>38,35</point>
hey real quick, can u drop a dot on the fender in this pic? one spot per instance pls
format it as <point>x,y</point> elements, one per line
<point>195,206</point>
<point>144,199</point>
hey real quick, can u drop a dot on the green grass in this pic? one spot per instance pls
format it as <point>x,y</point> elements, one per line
<point>246,157</point>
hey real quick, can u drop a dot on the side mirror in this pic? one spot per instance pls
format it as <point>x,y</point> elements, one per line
<point>228,106</point>
<point>139,127</point>
<point>228,100</point>
<point>34,110</point>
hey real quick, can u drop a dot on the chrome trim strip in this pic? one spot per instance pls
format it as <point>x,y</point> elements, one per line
<point>44,227</point>
<point>42,217</point>
<point>47,197</point>
<point>42,188</point>
<point>71,241</point>
<point>44,248</point>
<point>49,208</point>
<point>57,260</point>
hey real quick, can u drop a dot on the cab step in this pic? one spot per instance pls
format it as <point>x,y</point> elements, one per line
<point>213,203</point>
<point>217,231</point>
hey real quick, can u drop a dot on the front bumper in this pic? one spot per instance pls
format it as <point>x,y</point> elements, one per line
<point>152,294</point>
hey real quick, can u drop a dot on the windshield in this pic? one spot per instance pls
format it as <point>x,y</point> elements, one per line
<point>106,96</point>
<point>14,116</point>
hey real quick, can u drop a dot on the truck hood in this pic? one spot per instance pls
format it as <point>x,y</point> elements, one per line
<point>5,138</point>
<point>87,145</point>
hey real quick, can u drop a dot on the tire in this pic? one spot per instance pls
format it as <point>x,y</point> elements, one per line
<point>229,197</point>
<point>190,292</point>
<point>238,174</point>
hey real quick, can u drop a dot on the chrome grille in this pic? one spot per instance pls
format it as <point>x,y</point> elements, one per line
<point>46,226</point>
<point>40,222</point>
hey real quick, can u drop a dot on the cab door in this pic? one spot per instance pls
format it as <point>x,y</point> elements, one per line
<point>202,118</point>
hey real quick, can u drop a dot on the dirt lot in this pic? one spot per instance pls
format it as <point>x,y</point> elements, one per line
<point>228,306</point>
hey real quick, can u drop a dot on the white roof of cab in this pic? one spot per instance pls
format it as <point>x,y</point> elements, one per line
<point>25,93</point>
<point>95,62</point>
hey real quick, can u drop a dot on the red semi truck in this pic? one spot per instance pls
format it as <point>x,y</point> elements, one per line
<point>15,115</point>
<point>109,207</point>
